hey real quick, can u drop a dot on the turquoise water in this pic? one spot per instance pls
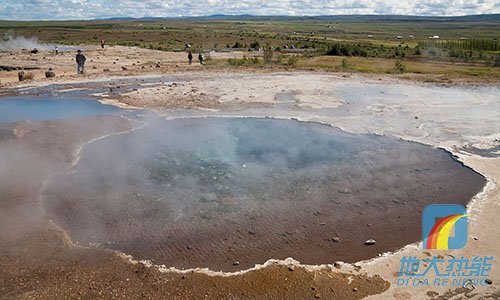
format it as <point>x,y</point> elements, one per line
<point>22,108</point>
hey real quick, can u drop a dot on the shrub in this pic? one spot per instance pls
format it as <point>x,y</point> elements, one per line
<point>496,64</point>
<point>345,65</point>
<point>279,59</point>
<point>245,61</point>
<point>292,60</point>
<point>238,45</point>
<point>268,54</point>
<point>400,67</point>
<point>255,45</point>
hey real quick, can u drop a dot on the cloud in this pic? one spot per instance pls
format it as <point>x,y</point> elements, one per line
<point>89,9</point>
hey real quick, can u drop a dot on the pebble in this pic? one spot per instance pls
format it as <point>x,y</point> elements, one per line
<point>49,74</point>
<point>489,281</point>
<point>236,263</point>
<point>335,239</point>
<point>370,242</point>
<point>355,289</point>
<point>344,191</point>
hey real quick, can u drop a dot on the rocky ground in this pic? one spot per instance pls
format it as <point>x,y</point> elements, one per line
<point>40,262</point>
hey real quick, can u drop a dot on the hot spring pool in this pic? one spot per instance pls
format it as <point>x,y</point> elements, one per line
<point>28,108</point>
<point>210,192</point>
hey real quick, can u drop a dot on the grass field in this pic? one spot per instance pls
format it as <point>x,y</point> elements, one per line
<point>374,43</point>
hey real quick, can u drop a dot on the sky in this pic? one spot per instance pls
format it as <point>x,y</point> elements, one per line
<point>93,9</point>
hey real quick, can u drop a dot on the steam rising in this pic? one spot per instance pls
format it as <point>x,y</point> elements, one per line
<point>205,184</point>
<point>11,42</point>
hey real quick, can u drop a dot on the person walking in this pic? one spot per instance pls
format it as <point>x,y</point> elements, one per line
<point>201,58</point>
<point>102,43</point>
<point>80,62</point>
<point>190,57</point>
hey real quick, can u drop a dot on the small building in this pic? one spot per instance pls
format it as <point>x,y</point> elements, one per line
<point>399,37</point>
<point>370,36</point>
<point>411,36</point>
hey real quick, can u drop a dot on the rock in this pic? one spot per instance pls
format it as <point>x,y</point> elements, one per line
<point>158,65</point>
<point>338,264</point>
<point>344,191</point>
<point>317,296</point>
<point>355,289</point>
<point>20,75</point>
<point>34,51</point>
<point>8,68</point>
<point>370,242</point>
<point>50,74</point>
<point>251,232</point>
<point>335,239</point>
<point>291,268</point>
<point>236,263</point>
<point>208,197</point>
<point>124,68</point>
<point>189,247</point>
<point>489,281</point>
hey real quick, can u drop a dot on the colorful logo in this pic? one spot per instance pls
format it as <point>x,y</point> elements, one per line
<point>444,226</point>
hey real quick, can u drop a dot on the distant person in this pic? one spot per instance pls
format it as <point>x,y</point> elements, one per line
<point>80,62</point>
<point>201,58</point>
<point>102,43</point>
<point>56,50</point>
<point>190,57</point>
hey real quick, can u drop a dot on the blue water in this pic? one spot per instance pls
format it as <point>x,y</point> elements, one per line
<point>23,108</point>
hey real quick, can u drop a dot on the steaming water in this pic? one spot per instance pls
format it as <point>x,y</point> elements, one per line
<point>209,192</point>
<point>21,108</point>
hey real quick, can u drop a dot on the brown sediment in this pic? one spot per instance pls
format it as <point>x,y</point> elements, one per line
<point>51,269</point>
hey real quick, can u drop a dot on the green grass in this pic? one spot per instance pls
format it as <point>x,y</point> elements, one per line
<point>320,34</point>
